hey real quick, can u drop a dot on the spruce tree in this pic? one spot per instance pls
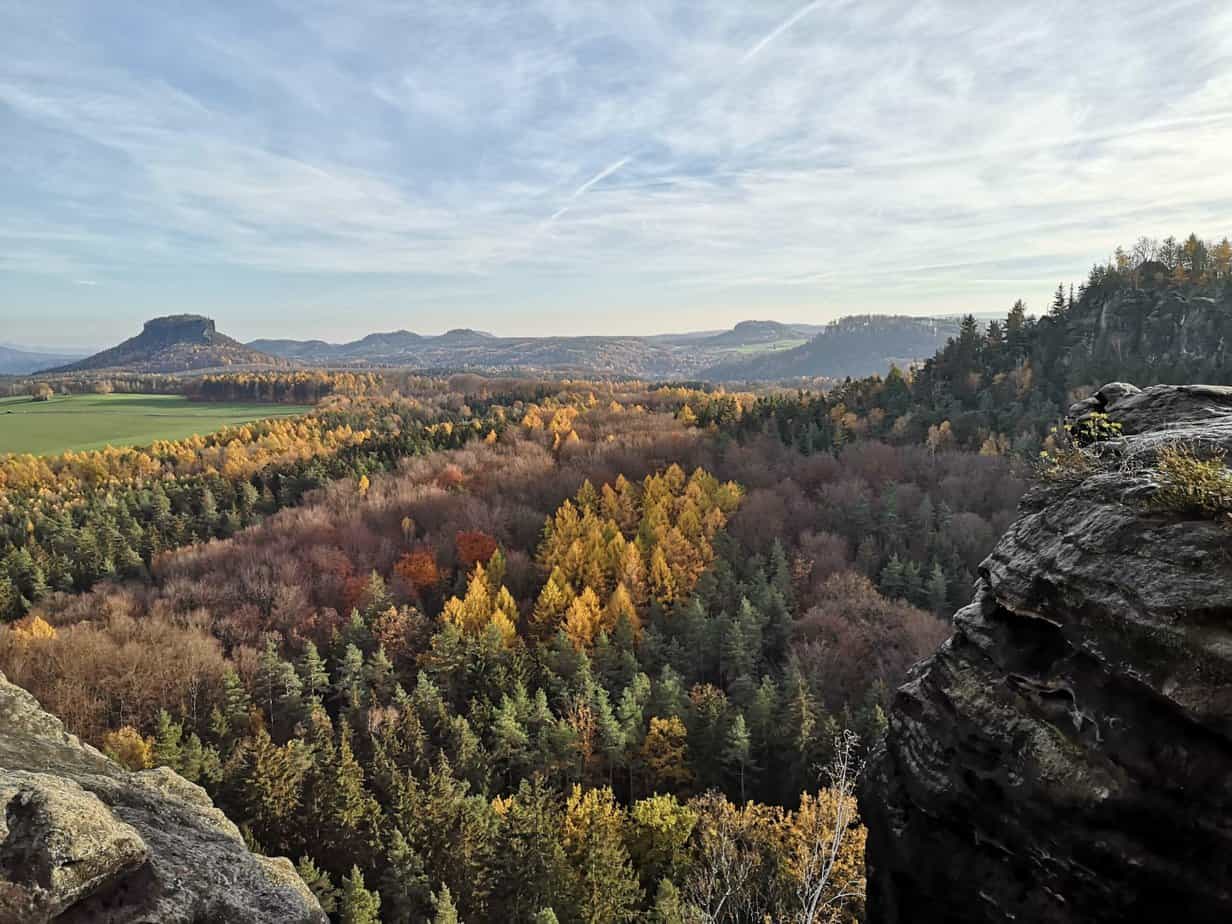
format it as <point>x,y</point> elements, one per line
<point>167,735</point>
<point>359,905</point>
<point>313,672</point>
<point>738,749</point>
<point>668,905</point>
<point>937,589</point>
<point>404,883</point>
<point>318,883</point>
<point>446,911</point>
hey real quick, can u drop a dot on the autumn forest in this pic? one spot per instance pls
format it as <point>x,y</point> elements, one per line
<point>497,649</point>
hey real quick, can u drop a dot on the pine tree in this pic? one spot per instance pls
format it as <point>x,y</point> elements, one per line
<point>192,759</point>
<point>355,813</point>
<point>237,705</point>
<point>510,741</point>
<point>669,699</point>
<point>318,883</point>
<point>737,750</point>
<point>273,785</point>
<point>937,589</point>
<point>1059,302</point>
<point>10,599</point>
<point>278,686</point>
<point>780,571</point>
<point>892,583</point>
<point>374,598</point>
<point>313,672</point>
<point>379,675</point>
<point>359,905</point>
<point>404,883</point>
<point>446,911</point>
<point>668,905</point>
<point>594,842</point>
<point>167,735</point>
<point>530,869</point>
<point>350,685</point>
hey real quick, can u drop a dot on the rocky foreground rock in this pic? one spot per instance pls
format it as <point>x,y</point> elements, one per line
<point>1066,756</point>
<point>83,840</point>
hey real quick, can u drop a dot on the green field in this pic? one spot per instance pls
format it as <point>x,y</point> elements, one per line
<point>78,422</point>
<point>773,347</point>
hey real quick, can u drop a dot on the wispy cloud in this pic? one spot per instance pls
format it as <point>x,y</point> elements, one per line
<point>392,164</point>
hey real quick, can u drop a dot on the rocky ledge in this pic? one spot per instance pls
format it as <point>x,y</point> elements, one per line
<point>1066,756</point>
<point>83,840</point>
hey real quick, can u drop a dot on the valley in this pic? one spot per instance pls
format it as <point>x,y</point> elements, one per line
<point>499,646</point>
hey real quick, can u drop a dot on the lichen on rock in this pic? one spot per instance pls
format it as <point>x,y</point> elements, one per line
<point>83,840</point>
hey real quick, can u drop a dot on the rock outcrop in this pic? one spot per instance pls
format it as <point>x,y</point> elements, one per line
<point>1066,756</point>
<point>176,343</point>
<point>83,840</point>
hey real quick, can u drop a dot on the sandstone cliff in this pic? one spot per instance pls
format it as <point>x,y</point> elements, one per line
<point>83,840</point>
<point>1067,755</point>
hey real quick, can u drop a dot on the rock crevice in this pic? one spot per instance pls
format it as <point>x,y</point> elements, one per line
<point>1066,756</point>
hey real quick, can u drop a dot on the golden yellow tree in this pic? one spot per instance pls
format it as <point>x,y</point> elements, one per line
<point>584,620</point>
<point>478,610</point>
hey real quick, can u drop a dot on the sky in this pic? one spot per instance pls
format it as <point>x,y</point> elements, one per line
<point>325,169</point>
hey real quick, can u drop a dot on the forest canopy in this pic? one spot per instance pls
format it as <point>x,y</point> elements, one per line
<point>509,649</point>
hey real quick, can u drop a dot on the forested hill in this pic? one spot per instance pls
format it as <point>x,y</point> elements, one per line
<point>1161,313</point>
<point>849,346</point>
<point>175,343</point>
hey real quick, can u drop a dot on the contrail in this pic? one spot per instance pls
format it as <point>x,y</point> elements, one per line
<point>581,190</point>
<point>601,175</point>
<point>782,27</point>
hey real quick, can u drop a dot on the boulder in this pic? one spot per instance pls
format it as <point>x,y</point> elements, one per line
<point>84,840</point>
<point>59,844</point>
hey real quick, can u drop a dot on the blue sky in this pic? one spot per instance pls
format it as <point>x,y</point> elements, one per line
<point>313,168</point>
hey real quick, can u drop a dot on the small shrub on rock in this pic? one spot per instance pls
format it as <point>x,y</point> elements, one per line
<point>1189,483</point>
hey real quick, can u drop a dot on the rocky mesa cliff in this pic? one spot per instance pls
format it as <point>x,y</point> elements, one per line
<point>83,840</point>
<point>1066,756</point>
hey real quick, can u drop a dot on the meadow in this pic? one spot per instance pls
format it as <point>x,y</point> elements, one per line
<point>80,422</point>
<point>750,349</point>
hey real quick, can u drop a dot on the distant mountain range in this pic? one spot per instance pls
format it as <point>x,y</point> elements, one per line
<point>176,343</point>
<point>659,356</point>
<point>18,361</point>
<point>750,351</point>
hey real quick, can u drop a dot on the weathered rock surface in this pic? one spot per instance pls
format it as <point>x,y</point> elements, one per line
<point>83,840</point>
<point>1066,756</point>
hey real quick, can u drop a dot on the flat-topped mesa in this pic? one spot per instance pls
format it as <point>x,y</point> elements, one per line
<point>170,344</point>
<point>176,328</point>
<point>1066,756</point>
<point>83,840</point>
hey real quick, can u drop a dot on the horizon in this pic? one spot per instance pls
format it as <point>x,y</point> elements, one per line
<point>325,171</point>
<point>95,348</point>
